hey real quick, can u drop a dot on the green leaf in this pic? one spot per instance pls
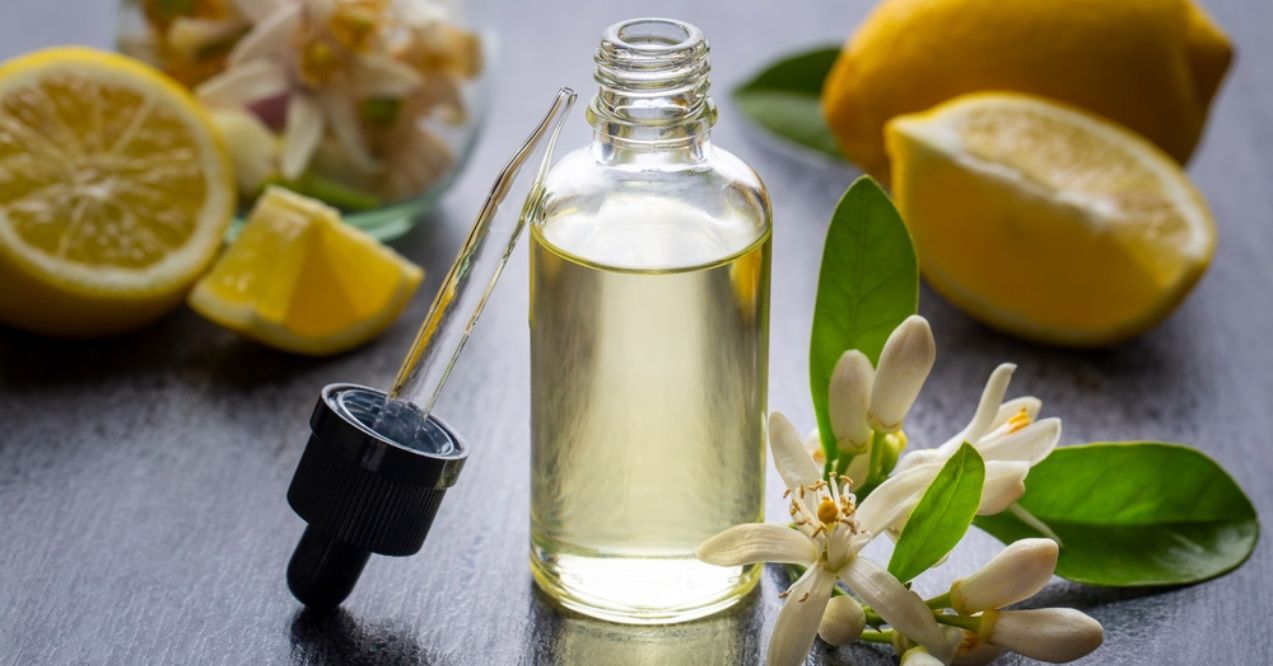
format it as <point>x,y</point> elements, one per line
<point>785,99</point>
<point>942,516</point>
<point>868,284</point>
<point>1132,514</point>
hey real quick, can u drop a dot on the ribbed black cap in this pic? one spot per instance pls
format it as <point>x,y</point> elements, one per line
<point>368,482</point>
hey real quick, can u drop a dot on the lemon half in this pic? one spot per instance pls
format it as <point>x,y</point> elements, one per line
<point>1047,221</point>
<point>114,192</point>
<point>299,279</point>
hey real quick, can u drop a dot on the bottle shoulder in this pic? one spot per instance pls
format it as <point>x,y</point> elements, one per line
<point>652,215</point>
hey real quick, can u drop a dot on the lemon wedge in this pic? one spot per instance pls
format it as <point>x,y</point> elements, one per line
<point>114,192</point>
<point>1046,221</point>
<point>298,279</point>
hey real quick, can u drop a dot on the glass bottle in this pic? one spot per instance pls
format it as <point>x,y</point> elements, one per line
<point>649,316</point>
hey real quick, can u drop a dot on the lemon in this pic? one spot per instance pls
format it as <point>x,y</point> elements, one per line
<point>298,279</point>
<point>114,192</point>
<point>1153,65</point>
<point>1047,221</point>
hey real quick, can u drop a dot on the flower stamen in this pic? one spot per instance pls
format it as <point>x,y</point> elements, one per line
<point>1018,421</point>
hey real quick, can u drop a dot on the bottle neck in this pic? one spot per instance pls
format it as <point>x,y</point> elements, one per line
<point>652,101</point>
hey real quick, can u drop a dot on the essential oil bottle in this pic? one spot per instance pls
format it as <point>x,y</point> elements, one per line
<point>649,316</point>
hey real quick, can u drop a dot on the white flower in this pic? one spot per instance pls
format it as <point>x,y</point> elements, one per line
<point>905,362</point>
<point>1055,635</point>
<point>1017,573</point>
<point>843,621</point>
<point>999,430</point>
<point>1007,436</point>
<point>827,538</point>
<point>321,63</point>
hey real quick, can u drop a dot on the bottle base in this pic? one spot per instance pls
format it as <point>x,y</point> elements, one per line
<point>640,590</point>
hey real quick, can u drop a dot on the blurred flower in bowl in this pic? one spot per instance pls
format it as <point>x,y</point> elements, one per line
<point>369,105</point>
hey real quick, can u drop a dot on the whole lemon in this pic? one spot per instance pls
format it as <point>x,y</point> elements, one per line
<point>1152,65</point>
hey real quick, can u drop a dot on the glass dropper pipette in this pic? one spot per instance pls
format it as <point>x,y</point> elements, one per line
<point>469,282</point>
<point>377,466</point>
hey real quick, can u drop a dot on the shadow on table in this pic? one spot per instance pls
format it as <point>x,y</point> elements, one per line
<point>335,638</point>
<point>562,637</point>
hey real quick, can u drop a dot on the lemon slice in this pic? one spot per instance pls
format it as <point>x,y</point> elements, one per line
<point>298,279</point>
<point>1046,221</point>
<point>114,192</point>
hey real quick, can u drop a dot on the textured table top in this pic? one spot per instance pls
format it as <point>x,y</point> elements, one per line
<point>142,479</point>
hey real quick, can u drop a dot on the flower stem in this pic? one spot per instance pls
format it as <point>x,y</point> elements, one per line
<point>972,624</point>
<point>872,618</point>
<point>877,458</point>
<point>885,636</point>
<point>940,601</point>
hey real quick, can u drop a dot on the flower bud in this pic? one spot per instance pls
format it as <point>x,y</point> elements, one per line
<point>907,358</point>
<point>1056,635</point>
<point>918,656</point>
<point>843,621</point>
<point>1017,573</point>
<point>848,399</point>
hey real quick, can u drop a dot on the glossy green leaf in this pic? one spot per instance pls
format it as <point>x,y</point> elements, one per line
<point>785,99</point>
<point>942,516</point>
<point>868,284</point>
<point>1134,514</point>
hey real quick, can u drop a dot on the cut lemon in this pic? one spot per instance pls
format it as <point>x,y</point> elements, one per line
<point>1046,221</point>
<point>298,279</point>
<point>114,192</point>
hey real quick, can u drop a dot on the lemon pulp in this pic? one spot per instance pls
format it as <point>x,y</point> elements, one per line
<point>1046,221</point>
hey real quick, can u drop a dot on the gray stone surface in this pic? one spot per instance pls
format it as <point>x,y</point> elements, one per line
<point>142,479</point>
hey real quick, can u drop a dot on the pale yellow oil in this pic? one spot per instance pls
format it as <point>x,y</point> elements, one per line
<point>648,401</point>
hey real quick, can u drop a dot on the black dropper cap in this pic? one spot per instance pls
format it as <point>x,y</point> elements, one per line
<point>370,481</point>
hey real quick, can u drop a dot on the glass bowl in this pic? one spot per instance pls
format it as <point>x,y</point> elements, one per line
<point>373,106</point>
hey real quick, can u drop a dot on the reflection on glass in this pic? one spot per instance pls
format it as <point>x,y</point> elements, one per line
<point>566,639</point>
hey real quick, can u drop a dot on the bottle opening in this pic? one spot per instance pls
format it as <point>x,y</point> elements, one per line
<point>653,76</point>
<point>655,35</point>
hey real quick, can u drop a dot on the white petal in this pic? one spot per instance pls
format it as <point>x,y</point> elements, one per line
<point>898,606</point>
<point>244,84</point>
<point>188,35</point>
<point>843,621</point>
<point>794,464</point>
<point>894,499</point>
<point>798,620</point>
<point>849,398</point>
<point>987,408</point>
<point>382,76</point>
<point>271,36</point>
<point>1031,444</point>
<point>1017,573</point>
<point>258,10</point>
<point>905,362</point>
<point>919,457</point>
<point>1011,408</point>
<point>1004,485</point>
<point>343,121</point>
<point>813,446</point>
<point>301,136</point>
<point>752,543</point>
<point>970,649</point>
<point>860,467</point>
<point>1049,634</point>
<point>919,656</point>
